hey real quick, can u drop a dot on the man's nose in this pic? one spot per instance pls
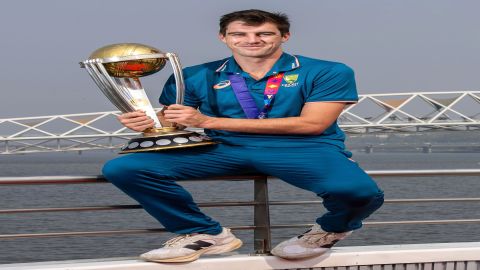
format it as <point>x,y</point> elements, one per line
<point>253,38</point>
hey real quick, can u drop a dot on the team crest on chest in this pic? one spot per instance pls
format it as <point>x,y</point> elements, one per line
<point>291,80</point>
<point>221,85</point>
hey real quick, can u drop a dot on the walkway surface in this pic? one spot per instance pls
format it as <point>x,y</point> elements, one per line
<point>448,256</point>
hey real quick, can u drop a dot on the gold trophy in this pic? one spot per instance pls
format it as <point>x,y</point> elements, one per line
<point>117,68</point>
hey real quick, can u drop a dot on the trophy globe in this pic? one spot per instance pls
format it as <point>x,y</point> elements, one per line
<point>117,69</point>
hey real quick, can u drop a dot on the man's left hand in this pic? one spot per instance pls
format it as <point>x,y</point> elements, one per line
<point>185,115</point>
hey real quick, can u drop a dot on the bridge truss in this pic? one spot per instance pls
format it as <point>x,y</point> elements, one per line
<point>374,113</point>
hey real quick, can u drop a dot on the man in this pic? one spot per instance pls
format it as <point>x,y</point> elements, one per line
<point>275,114</point>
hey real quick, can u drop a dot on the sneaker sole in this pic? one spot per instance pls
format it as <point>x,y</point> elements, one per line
<point>300,256</point>
<point>235,244</point>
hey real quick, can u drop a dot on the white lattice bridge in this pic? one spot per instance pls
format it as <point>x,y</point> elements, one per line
<point>400,112</point>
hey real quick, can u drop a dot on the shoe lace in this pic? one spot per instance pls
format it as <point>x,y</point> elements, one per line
<point>176,239</point>
<point>320,238</point>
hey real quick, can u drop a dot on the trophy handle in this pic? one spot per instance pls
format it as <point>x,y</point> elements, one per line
<point>135,94</point>
<point>101,78</point>
<point>177,73</point>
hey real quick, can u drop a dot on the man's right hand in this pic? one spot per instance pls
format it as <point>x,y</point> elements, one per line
<point>137,120</point>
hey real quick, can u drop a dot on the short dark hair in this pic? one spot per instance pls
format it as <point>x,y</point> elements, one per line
<point>255,17</point>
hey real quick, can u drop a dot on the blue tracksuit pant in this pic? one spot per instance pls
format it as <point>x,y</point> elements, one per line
<point>349,194</point>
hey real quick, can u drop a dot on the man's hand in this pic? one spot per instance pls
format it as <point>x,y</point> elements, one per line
<point>137,120</point>
<point>185,115</point>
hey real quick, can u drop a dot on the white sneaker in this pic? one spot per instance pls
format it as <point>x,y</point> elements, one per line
<point>313,242</point>
<point>189,247</point>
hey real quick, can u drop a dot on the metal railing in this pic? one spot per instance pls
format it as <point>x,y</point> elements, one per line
<point>374,113</point>
<point>261,204</point>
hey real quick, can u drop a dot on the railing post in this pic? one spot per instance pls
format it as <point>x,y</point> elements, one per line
<point>261,233</point>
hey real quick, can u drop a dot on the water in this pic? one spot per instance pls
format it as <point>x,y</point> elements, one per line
<point>89,163</point>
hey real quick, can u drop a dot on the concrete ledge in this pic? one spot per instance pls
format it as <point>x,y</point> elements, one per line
<point>338,257</point>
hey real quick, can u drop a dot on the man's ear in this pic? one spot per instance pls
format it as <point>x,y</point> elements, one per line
<point>286,37</point>
<point>221,37</point>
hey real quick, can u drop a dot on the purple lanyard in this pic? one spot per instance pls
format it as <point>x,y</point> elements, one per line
<point>245,98</point>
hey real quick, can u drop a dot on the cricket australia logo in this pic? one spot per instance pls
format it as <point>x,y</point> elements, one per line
<point>291,80</point>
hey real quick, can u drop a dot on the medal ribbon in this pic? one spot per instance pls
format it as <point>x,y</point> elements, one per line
<point>271,89</point>
<point>245,98</point>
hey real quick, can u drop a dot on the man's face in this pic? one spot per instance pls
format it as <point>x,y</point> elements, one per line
<point>253,41</point>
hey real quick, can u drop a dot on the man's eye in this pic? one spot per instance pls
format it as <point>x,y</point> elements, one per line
<point>265,34</point>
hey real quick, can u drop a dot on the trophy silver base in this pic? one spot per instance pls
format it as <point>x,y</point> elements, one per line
<point>160,141</point>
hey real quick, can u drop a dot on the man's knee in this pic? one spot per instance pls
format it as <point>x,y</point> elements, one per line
<point>359,194</point>
<point>120,171</point>
<point>132,169</point>
<point>377,199</point>
<point>373,199</point>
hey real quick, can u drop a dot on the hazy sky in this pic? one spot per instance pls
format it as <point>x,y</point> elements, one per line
<point>393,46</point>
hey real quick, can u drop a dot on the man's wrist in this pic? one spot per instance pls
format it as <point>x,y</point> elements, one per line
<point>209,123</point>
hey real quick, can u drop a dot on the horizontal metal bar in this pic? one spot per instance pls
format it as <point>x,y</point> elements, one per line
<point>81,179</point>
<point>85,179</point>
<point>157,230</point>
<point>93,233</point>
<point>69,137</point>
<point>432,200</point>
<point>429,200</point>
<point>216,204</point>
<point>415,173</point>
<point>98,233</point>
<point>65,179</point>
<point>113,207</point>
<point>114,113</point>
<point>69,209</point>
<point>429,222</point>
<point>408,124</point>
<point>379,223</point>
